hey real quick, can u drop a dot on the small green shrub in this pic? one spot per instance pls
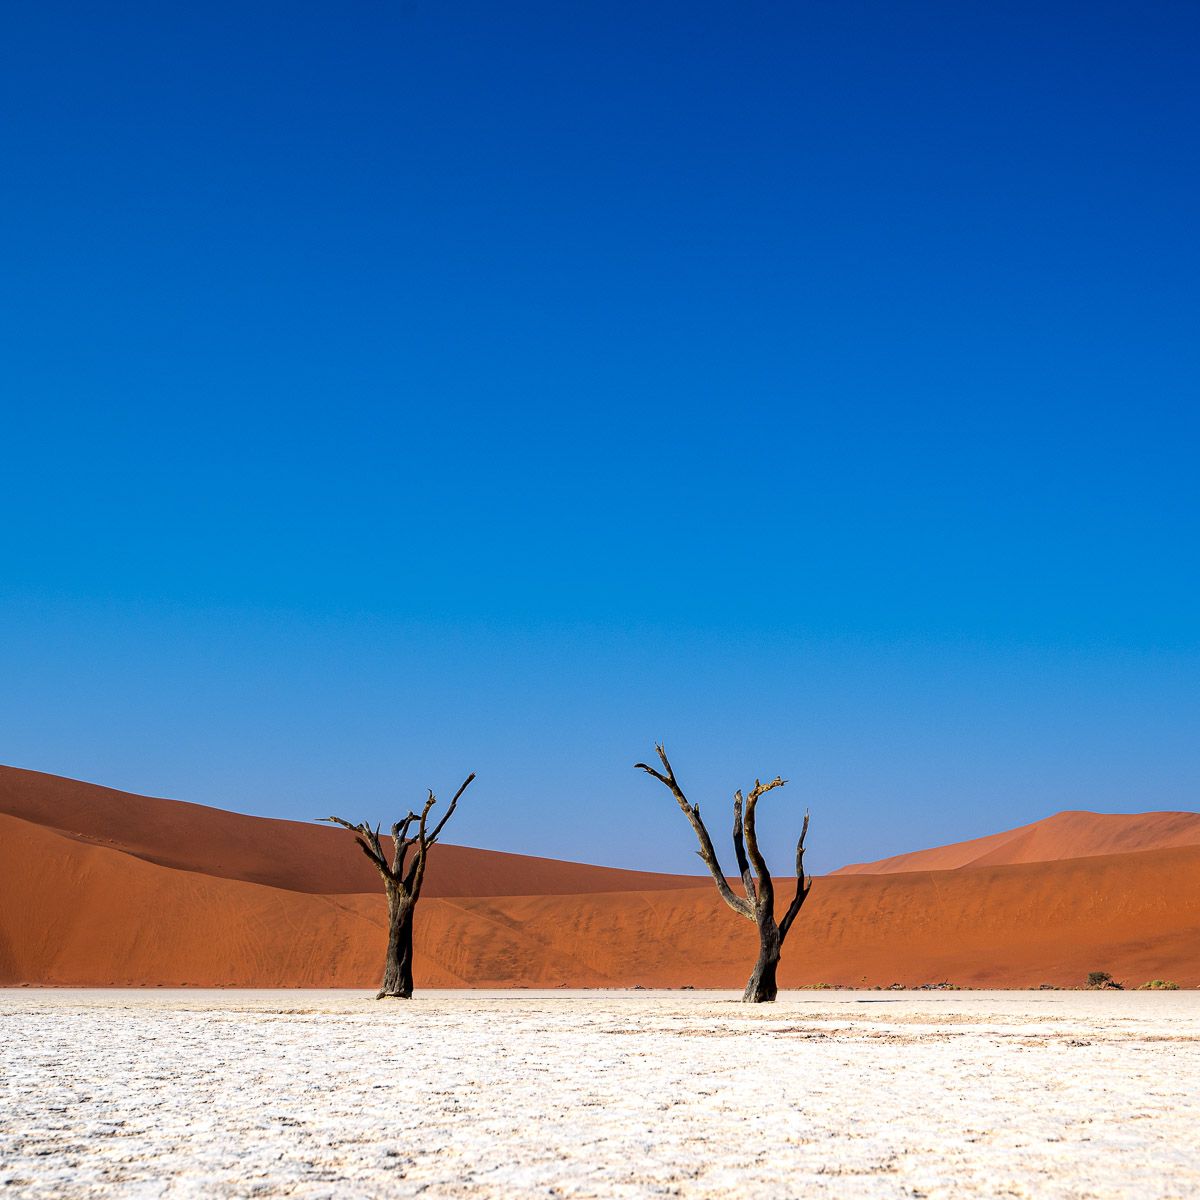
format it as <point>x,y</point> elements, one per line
<point>1102,981</point>
<point>1159,985</point>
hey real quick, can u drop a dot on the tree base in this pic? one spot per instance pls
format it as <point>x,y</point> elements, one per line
<point>760,996</point>
<point>762,988</point>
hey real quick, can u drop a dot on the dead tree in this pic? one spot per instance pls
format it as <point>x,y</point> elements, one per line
<point>402,883</point>
<point>758,904</point>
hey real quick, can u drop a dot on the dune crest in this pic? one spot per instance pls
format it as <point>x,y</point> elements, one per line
<point>1070,834</point>
<point>294,855</point>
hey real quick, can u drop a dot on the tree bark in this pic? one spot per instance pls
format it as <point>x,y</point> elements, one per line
<point>402,881</point>
<point>761,987</point>
<point>397,968</point>
<point>758,904</point>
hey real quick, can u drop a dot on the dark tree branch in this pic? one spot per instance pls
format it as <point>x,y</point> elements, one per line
<point>372,838</point>
<point>466,783</point>
<point>368,841</point>
<point>739,849</point>
<point>416,872</point>
<point>401,843</point>
<point>803,884</point>
<point>766,888</point>
<point>707,853</point>
<point>402,883</point>
<point>759,904</point>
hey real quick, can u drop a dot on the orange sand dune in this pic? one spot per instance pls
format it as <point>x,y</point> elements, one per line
<point>82,914</point>
<point>286,854</point>
<point>76,911</point>
<point>1064,835</point>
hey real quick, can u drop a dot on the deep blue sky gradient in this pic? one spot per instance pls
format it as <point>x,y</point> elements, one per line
<point>397,389</point>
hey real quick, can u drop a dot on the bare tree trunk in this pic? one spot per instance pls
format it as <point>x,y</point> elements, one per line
<point>762,988</point>
<point>406,958</point>
<point>397,966</point>
<point>758,904</point>
<point>402,881</point>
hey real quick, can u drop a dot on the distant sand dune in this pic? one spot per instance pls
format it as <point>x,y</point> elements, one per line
<point>1065,835</point>
<point>285,854</point>
<point>80,908</point>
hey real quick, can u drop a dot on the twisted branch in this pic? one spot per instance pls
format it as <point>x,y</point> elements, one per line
<point>433,837</point>
<point>803,884</point>
<point>759,903</point>
<point>367,839</point>
<point>400,843</point>
<point>766,887</point>
<point>706,852</point>
<point>739,849</point>
<point>407,876</point>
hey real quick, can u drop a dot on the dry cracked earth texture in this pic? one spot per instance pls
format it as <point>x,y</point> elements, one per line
<point>606,1094</point>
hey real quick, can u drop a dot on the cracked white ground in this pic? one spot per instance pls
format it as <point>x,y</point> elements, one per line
<point>477,1094</point>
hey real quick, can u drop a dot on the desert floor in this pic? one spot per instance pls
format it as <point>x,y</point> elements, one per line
<point>476,1094</point>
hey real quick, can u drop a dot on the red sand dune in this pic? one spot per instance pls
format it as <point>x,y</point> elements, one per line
<point>285,854</point>
<point>83,906</point>
<point>1070,834</point>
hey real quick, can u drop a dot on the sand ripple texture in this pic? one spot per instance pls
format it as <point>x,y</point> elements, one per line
<point>460,1094</point>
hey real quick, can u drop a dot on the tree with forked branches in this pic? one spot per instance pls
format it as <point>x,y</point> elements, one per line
<point>758,904</point>
<point>402,881</point>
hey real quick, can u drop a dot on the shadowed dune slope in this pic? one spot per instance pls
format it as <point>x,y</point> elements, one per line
<point>75,912</point>
<point>1064,835</point>
<point>284,854</point>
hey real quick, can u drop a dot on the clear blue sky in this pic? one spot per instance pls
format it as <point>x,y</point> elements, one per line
<point>397,389</point>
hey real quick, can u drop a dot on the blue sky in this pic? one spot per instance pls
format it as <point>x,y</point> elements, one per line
<point>397,390</point>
